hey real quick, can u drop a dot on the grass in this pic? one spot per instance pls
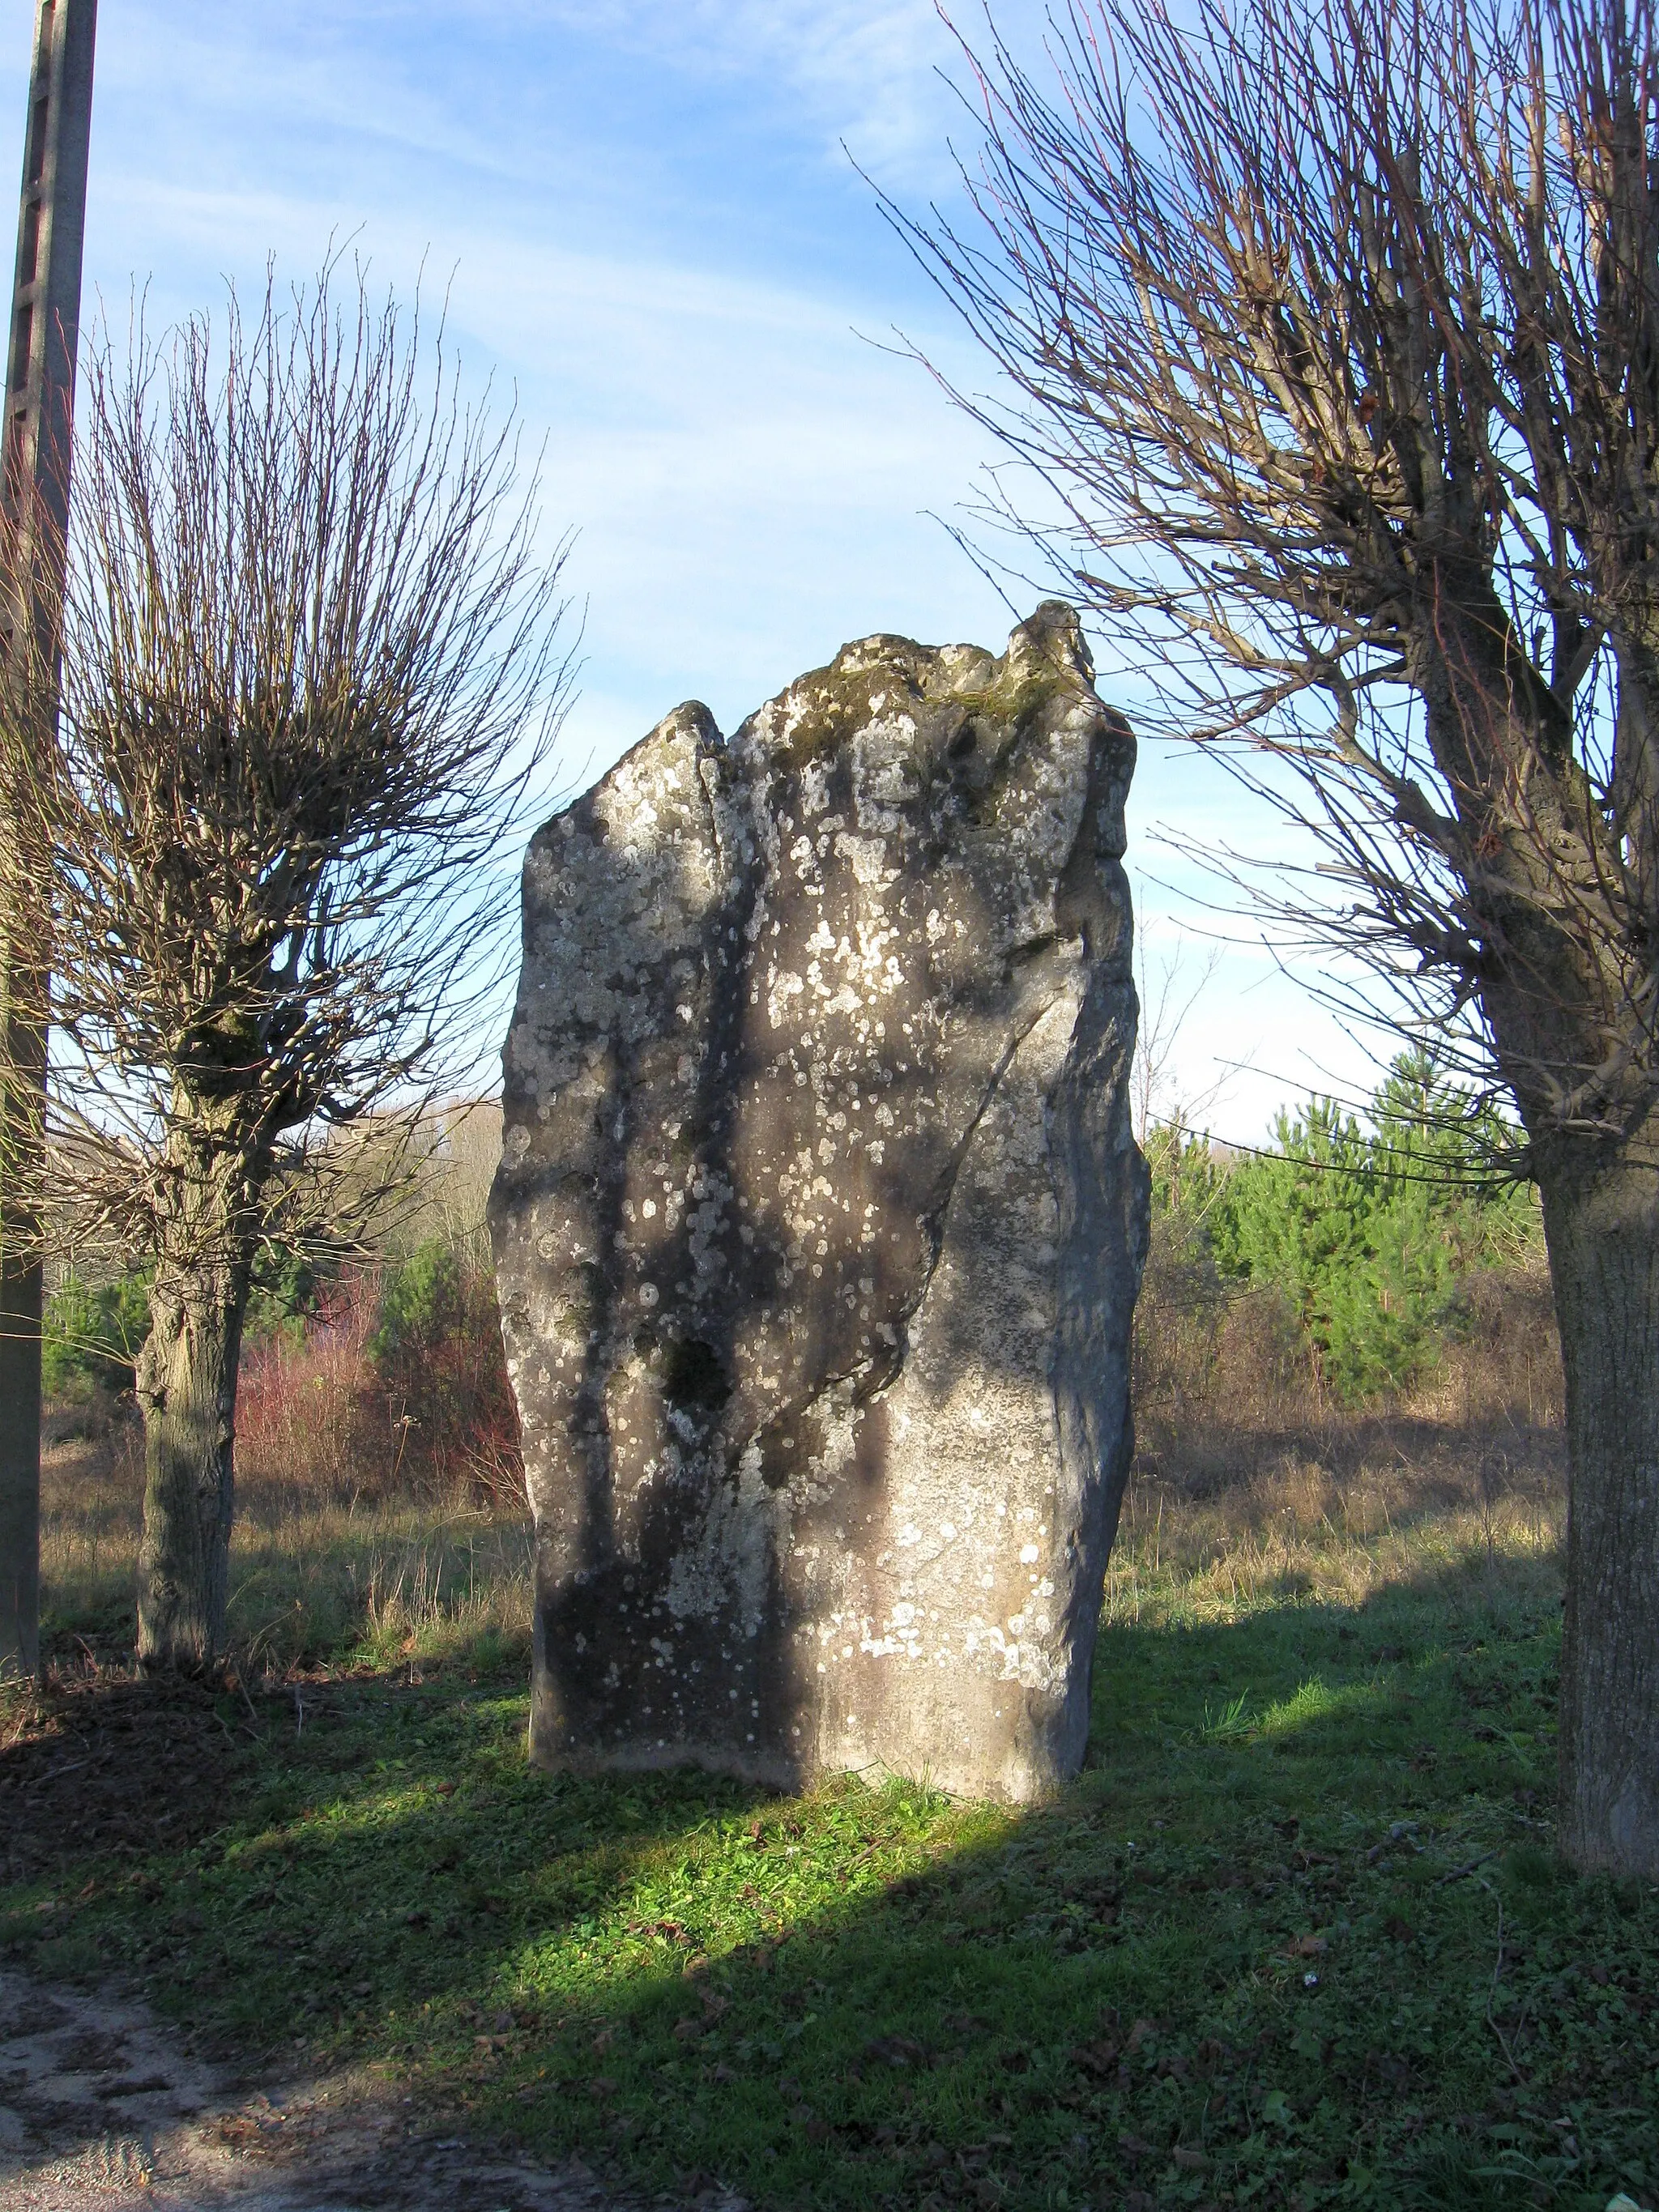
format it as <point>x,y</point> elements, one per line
<point>320,1570</point>
<point>1296,1937</point>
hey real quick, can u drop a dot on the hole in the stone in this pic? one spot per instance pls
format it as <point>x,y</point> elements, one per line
<point>963,742</point>
<point>693,1374</point>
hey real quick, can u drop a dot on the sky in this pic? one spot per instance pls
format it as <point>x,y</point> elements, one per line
<point>649,221</point>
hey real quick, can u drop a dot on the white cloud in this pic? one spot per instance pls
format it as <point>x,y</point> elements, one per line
<point>656,241</point>
<point>875,74</point>
<point>746,475</point>
<point>867,69</point>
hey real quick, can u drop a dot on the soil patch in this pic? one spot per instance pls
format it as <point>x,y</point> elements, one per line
<point>105,1764</point>
<point>104,2108</point>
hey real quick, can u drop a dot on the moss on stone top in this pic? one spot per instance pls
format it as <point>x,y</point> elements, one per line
<point>1045,658</point>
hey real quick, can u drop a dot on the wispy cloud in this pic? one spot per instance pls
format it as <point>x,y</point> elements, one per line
<point>650,235</point>
<point>867,69</point>
<point>468,81</point>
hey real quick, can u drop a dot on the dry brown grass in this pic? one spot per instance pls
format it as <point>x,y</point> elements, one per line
<point>1251,1487</point>
<point>320,1572</point>
<point>1252,1484</point>
<point>373,1522</point>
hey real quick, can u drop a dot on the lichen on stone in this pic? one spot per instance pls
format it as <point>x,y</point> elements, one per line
<point>819,1224</point>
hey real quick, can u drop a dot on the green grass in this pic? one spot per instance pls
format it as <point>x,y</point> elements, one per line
<point>1297,1937</point>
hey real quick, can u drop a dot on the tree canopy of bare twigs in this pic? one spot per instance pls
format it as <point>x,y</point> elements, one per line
<point>311,673</point>
<point>1333,330</point>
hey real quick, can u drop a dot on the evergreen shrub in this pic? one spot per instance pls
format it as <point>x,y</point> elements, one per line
<point>1367,1233</point>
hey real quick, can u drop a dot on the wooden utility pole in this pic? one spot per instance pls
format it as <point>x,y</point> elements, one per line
<point>35,451</point>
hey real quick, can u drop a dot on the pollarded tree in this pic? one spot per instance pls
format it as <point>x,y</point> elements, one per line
<point>1334,330</point>
<point>309,675</point>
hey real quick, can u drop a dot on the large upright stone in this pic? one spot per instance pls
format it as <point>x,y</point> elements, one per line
<point>819,1224</point>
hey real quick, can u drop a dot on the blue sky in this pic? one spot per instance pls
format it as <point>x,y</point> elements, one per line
<point>653,234</point>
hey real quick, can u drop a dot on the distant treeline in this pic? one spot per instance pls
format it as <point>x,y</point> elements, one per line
<point>1369,1230</point>
<point>1371,1226</point>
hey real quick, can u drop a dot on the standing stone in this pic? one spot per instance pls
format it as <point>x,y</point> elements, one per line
<point>819,1225</point>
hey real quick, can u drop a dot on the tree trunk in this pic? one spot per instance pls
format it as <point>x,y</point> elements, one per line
<point>22,1147</point>
<point>186,1389</point>
<point>1602,1219</point>
<point>20,1305</point>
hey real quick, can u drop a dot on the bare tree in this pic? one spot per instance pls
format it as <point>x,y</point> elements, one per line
<point>309,676</point>
<point>1335,329</point>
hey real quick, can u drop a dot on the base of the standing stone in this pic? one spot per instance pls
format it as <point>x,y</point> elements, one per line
<point>820,1223</point>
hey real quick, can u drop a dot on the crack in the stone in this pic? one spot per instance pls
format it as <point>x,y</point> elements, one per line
<point>891,1369</point>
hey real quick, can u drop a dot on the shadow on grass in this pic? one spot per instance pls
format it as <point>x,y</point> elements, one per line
<point>1295,1937</point>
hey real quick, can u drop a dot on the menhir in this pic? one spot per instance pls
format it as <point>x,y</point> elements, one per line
<point>820,1221</point>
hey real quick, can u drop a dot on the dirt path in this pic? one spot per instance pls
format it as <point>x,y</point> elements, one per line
<point>103,2110</point>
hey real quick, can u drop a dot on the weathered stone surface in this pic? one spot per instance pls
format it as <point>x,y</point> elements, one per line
<point>819,1225</point>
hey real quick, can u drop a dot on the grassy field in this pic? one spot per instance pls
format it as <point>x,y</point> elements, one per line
<point>1296,1937</point>
<point>318,1567</point>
